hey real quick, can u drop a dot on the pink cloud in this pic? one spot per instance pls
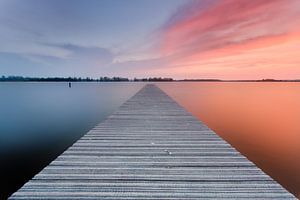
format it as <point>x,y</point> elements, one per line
<point>214,36</point>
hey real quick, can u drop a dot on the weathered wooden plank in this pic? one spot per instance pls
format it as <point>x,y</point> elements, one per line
<point>151,148</point>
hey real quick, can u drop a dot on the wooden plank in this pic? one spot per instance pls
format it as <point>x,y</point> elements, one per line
<point>151,148</point>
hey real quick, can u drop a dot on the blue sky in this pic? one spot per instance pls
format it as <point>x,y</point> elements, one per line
<point>79,37</point>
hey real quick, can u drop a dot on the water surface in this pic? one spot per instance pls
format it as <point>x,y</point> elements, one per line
<point>38,121</point>
<point>261,120</point>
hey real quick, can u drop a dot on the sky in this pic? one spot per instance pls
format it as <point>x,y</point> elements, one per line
<point>224,39</point>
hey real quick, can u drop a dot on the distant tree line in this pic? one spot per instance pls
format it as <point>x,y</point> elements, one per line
<point>121,79</point>
<point>60,79</point>
<point>76,79</point>
<point>197,80</point>
<point>159,79</point>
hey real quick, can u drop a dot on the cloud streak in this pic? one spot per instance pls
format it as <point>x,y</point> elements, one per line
<point>101,56</point>
<point>222,37</point>
<point>78,38</point>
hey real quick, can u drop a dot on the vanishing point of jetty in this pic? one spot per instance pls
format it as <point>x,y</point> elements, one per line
<point>151,148</point>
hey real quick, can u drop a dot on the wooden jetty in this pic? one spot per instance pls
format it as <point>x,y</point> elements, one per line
<point>151,148</point>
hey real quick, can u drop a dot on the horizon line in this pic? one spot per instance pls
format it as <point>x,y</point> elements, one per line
<point>12,78</point>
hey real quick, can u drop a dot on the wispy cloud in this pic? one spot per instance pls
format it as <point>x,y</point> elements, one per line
<point>79,37</point>
<point>98,55</point>
<point>230,22</point>
<point>232,32</point>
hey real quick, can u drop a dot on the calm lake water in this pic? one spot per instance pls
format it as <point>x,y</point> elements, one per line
<point>261,120</point>
<point>38,121</point>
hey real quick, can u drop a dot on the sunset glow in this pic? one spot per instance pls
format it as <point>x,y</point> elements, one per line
<point>235,40</point>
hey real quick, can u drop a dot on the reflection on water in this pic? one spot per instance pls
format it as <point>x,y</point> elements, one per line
<point>261,120</point>
<point>40,120</point>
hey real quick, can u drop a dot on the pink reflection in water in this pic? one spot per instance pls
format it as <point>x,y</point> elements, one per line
<point>261,120</point>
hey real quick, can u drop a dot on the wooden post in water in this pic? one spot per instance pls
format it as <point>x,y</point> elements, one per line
<point>151,148</point>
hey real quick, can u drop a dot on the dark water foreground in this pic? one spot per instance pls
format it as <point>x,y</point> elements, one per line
<point>261,120</point>
<point>38,121</point>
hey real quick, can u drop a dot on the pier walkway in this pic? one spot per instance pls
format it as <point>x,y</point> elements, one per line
<point>151,148</point>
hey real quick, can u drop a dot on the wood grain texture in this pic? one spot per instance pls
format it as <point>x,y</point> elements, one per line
<point>151,148</point>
